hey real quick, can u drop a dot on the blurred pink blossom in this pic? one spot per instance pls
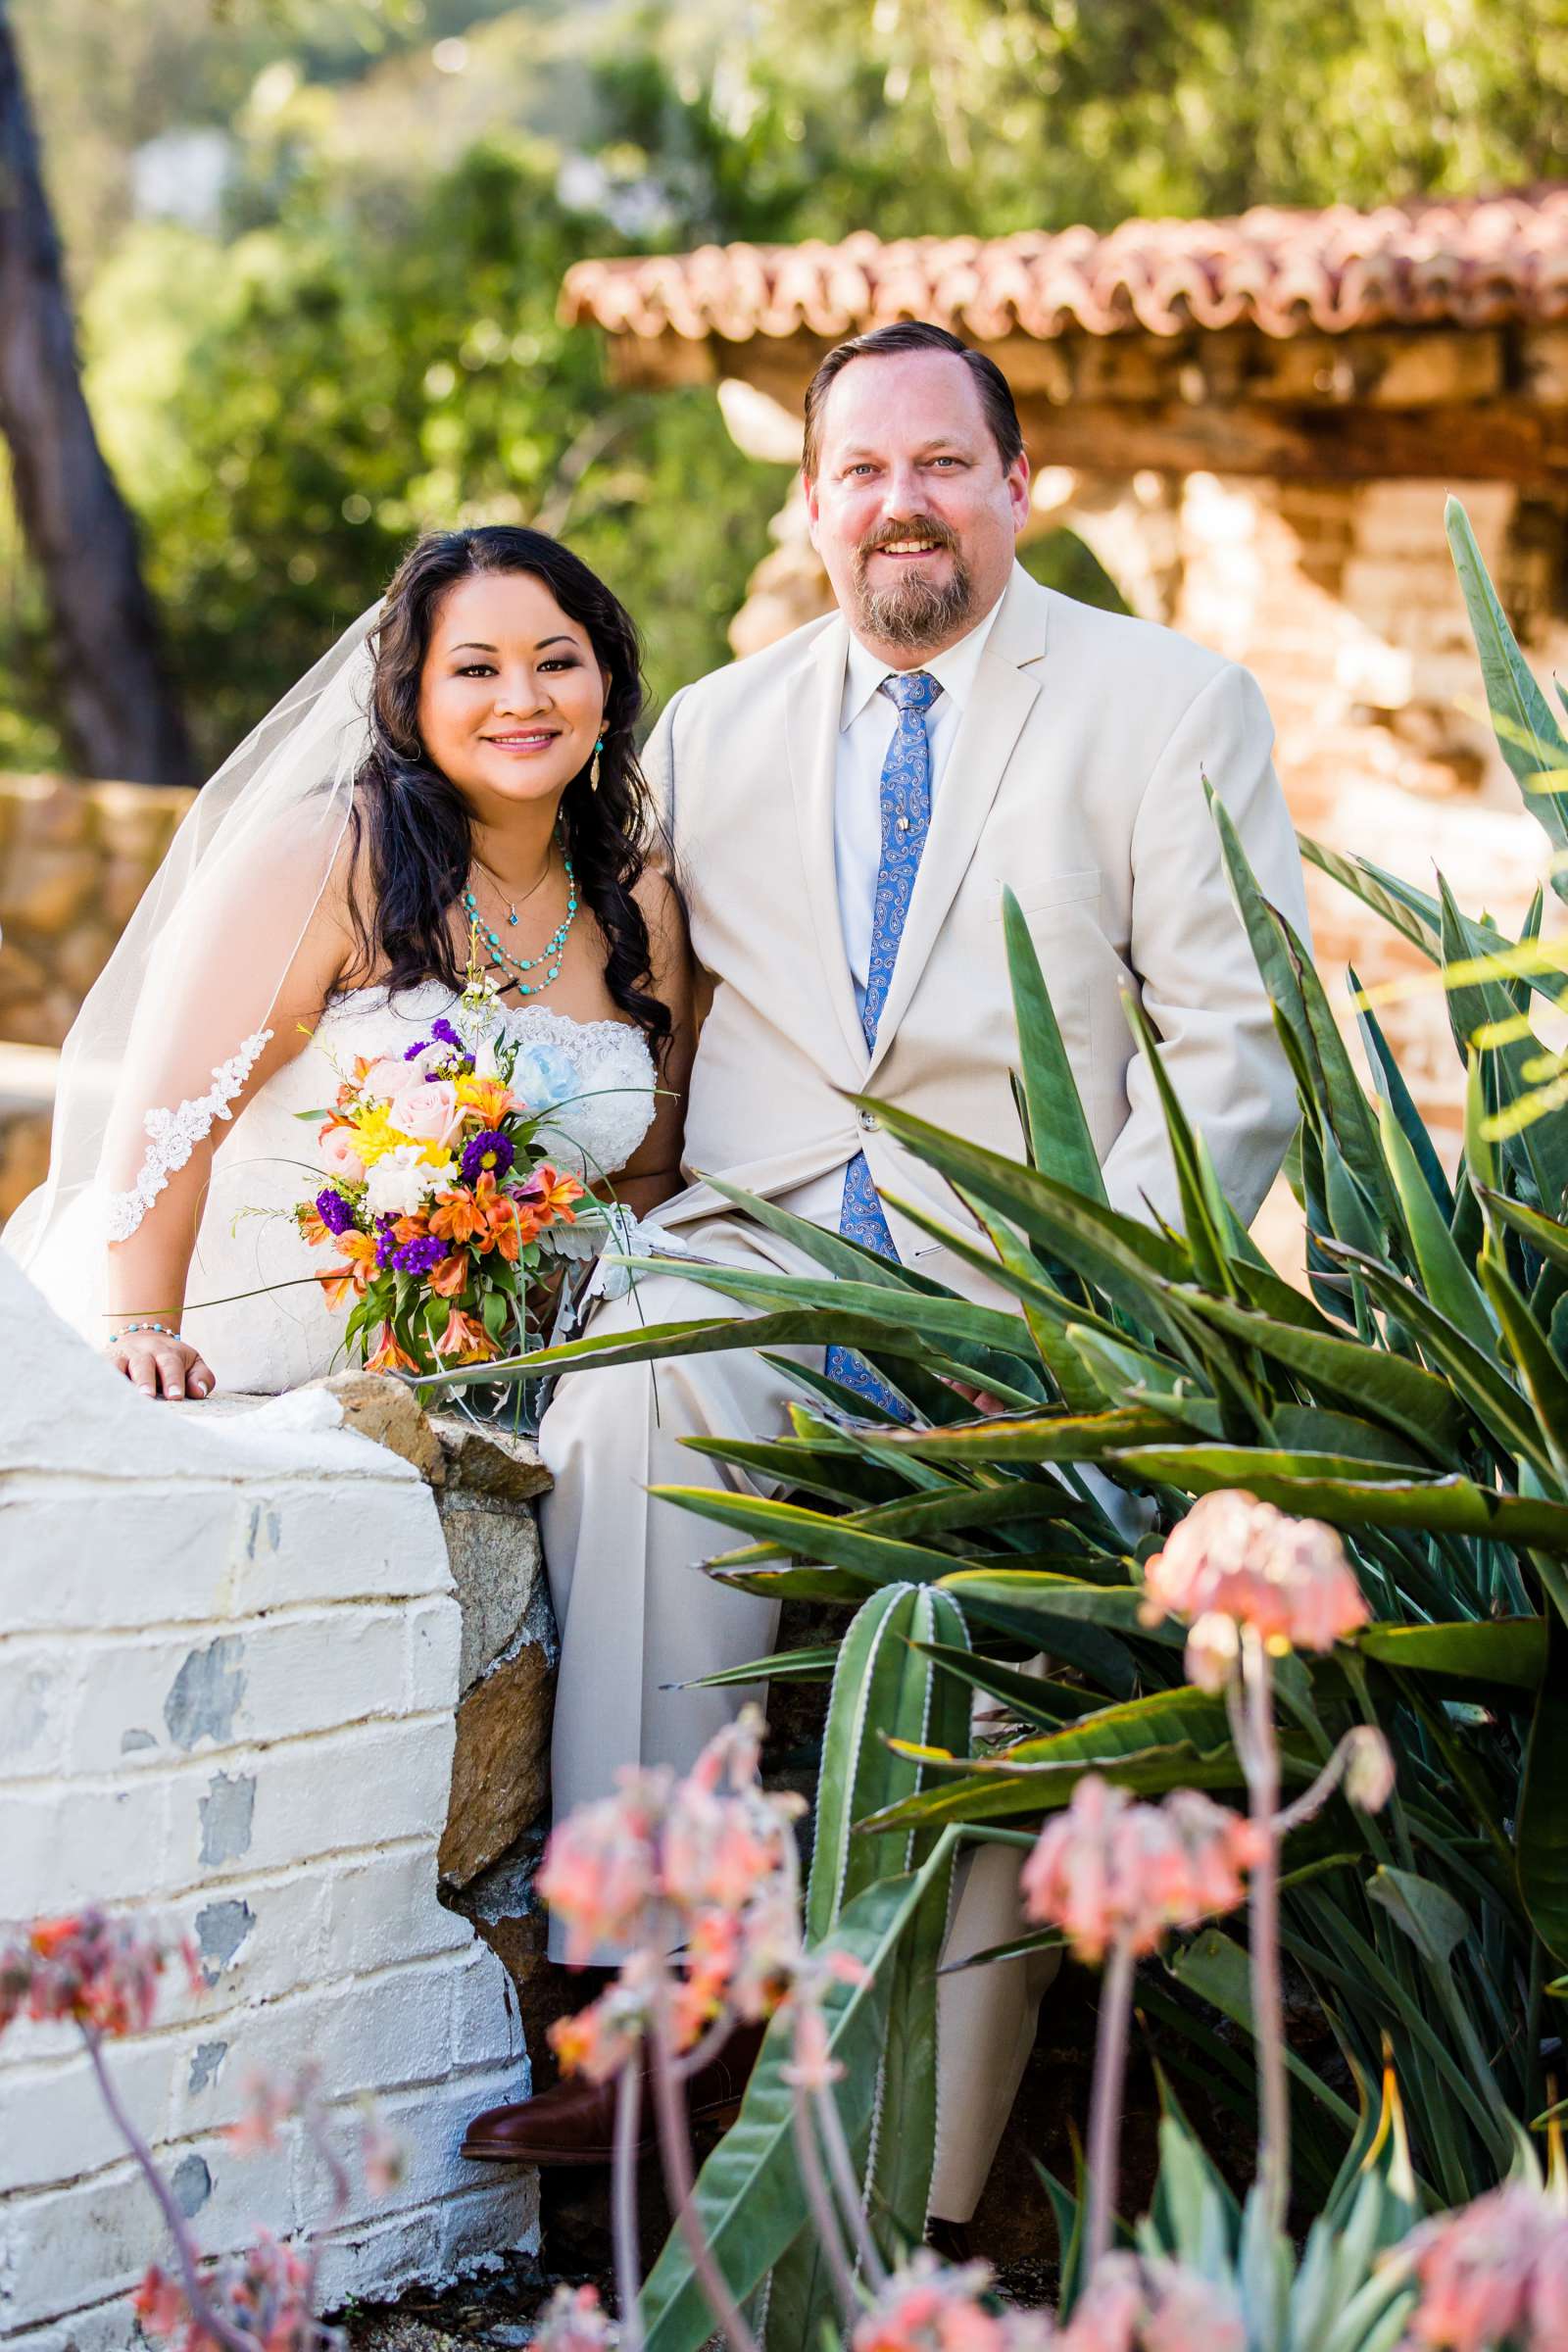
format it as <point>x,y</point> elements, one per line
<point>1143,2304</point>
<point>1236,1559</point>
<point>1495,2270</point>
<point>1108,1871</point>
<point>263,2293</point>
<point>813,2066</point>
<point>572,2321</point>
<point>928,2308</point>
<point>267,2105</point>
<point>599,1874</point>
<point>1368,1769</point>
<point>87,1970</point>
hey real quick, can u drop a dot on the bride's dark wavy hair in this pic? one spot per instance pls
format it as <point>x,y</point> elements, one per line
<point>410,832</point>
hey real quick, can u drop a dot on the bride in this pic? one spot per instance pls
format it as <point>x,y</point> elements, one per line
<point>459,770</point>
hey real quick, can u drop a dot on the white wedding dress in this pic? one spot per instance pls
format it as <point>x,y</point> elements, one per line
<point>598,1075</point>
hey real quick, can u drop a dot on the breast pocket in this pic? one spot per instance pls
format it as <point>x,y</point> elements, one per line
<point>1041,891</point>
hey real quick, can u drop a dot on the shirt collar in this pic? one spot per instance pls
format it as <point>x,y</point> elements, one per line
<point>953,671</point>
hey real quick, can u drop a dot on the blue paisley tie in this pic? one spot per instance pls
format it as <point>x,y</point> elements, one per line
<point>906,821</point>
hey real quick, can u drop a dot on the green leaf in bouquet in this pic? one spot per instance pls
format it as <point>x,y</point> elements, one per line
<point>1060,1142</point>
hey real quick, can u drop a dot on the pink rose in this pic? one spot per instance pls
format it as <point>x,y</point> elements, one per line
<point>338,1156</point>
<point>385,1079</point>
<point>426,1111</point>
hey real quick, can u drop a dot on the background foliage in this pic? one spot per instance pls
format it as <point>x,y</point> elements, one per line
<point>357,336</point>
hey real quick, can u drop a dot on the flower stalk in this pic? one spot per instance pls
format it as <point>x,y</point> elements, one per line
<point>1104,2114</point>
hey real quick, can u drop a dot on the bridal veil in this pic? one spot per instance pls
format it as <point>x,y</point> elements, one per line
<point>173,1025</point>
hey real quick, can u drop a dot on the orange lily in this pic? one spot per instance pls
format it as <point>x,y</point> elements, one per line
<point>447,1279</point>
<point>309,1219</point>
<point>359,1248</point>
<point>555,1195</point>
<point>487,1098</point>
<point>466,1340</point>
<point>389,1357</point>
<point>509,1222</point>
<point>458,1215</point>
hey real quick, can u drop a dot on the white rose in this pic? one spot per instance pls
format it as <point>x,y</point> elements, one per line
<point>399,1181</point>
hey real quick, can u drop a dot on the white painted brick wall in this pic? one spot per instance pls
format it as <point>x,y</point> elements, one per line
<point>228,1665</point>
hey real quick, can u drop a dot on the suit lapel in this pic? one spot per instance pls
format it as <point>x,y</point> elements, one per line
<point>1005,688</point>
<point>813,707</point>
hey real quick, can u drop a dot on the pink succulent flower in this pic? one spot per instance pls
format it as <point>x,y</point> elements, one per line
<point>927,2308</point>
<point>812,2067</point>
<point>600,1872</point>
<point>1108,1871</point>
<point>267,2105</point>
<point>572,2321</point>
<point>1235,1562</point>
<point>1495,2270</point>
<point>263,2293</point>
<point>87,1970</point>
<point>1139,2304</point>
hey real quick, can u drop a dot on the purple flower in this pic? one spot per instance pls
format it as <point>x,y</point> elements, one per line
<point>385,1241</point>
<point>491,1150</point>
<point>423,1047</point>
<point>444,1030</point>
<point>419,1256</point>
<point>333,1210</point>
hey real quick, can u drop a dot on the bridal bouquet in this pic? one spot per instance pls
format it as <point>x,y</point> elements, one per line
<point>439,1204</point>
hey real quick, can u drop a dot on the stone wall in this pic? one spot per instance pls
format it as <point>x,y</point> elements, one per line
<point>239,1659</point>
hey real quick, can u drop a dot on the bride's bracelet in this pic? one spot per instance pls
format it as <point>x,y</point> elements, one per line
<point>162,1328</point>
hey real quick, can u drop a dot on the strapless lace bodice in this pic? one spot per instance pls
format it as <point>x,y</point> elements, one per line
<point>598,1077</point>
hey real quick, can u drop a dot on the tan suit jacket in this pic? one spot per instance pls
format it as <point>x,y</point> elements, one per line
<point>1075,778</point>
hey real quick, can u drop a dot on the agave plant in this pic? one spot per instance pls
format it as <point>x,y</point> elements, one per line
<point>1417,1401</point>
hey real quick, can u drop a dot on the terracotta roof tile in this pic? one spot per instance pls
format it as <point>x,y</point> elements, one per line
<point>1471,262</point>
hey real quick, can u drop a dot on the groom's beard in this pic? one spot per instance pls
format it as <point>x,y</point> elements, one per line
<point>913,612</point>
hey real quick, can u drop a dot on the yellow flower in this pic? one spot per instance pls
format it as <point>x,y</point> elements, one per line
<point>375,1136</point>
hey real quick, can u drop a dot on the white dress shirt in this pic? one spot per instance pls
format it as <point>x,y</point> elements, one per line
<point>866,722</point>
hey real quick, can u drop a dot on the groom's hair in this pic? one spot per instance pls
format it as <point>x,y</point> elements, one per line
<point>915,334</point>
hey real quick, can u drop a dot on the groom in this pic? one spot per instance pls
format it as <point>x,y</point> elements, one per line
<point>845,809</point>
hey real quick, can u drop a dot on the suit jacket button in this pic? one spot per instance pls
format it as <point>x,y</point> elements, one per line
<point>868,1120</point>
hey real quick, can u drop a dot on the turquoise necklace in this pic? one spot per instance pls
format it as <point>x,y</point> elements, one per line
<point>518,965</point>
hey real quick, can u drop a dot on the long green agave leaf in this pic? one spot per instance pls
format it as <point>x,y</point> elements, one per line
<point>1385,1387</point>
<point>747,2197</point>
<point>1506,1651</point>
<point>1527,734</point>
<point>1321,1487</point>
<point>1445,1278</point>
<point>1543,1833</point>
<point>1060,1142</point>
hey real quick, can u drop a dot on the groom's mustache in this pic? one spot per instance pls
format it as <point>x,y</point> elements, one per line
<point>910,526</point>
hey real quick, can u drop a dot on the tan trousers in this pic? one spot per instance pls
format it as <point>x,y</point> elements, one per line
<point>637,1618</point>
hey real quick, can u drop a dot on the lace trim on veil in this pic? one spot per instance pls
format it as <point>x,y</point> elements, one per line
<point>173,1136</point>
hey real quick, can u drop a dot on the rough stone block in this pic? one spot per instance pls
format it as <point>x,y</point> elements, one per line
<point>500,1773</point>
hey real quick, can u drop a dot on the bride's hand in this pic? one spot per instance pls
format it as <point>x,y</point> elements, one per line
<point>160,1365</point>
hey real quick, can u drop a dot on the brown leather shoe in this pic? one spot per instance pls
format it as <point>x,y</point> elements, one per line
<point>953,2240</point>
<point>573,2121</point>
